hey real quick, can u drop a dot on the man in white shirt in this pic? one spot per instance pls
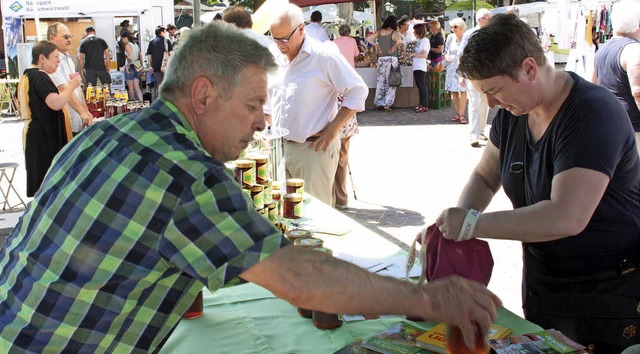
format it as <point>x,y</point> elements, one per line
<point>314,29</point>
<point>79,113</point>
<point>478,104</point>
<point>303,99</point>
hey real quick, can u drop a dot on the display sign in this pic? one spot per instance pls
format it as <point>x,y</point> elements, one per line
<point>71,8</point>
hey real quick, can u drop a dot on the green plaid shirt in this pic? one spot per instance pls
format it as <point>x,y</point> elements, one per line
<point>133,218</point>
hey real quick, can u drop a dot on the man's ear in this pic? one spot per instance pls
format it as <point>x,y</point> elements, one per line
<point>203,93</point>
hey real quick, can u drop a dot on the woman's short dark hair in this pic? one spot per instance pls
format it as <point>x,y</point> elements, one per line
<point>238,16</point>
<point>402,21</point>
<point>43,47</point>
<point>344,30</point>
<point>420,29</point>
<point>499,49</point>
<point>390,22</point>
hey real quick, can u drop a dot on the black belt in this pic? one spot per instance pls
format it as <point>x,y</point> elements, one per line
<point>309,139</point>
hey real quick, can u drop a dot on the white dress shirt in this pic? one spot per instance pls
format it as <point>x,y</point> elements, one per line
<point>316,32</point>
<point>61,77</point>
<point>304,96</point>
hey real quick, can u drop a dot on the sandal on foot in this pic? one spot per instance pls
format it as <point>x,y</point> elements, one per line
<point>387,109</point>
<point>463,120</point>
<point>456,118</point>
<point>421,109</point>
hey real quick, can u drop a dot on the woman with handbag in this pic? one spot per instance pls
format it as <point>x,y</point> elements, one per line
<point>565,154</point>
<point>436,43</point>
<point>133,67</point>
<point>419,63</point>
<point>388,41</point>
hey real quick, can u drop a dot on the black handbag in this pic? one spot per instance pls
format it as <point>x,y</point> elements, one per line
<point>395,76</point>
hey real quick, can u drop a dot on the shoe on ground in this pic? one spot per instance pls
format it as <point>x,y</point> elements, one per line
<point>341,207</point>
<point>483,137</point>
<point>474,142</point>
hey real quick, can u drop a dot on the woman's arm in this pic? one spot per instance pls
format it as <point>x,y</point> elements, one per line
<point>575,194</point>
<point>56,101</point>
<point>370,38</point>
<point>398,41</point>
<point>129,49</point>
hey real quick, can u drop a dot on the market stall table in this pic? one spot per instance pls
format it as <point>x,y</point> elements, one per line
<point>406,94</point>
<point>250,319</point>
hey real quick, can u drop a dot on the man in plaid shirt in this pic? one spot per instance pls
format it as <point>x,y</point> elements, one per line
<point>138,213</point>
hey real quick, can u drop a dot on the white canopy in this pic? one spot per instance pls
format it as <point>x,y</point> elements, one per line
<point>72,8</point>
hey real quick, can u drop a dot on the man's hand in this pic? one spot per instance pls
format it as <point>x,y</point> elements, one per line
<point>325,137</point>
<point>462,82</point>
<point>450,222</point>
<point>462,303</point>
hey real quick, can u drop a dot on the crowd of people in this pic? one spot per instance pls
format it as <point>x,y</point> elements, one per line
<point>563,149</point>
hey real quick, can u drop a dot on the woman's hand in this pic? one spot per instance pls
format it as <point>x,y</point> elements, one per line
<point>126,69</point>
<point>450,222</point>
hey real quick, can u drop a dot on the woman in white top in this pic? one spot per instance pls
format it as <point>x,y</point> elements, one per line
<point>132,51</point>
<point>458,92</point>
<point>419,62</point>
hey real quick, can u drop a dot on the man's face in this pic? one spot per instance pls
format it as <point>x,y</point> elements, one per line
<point>404,27</point>
<point>288,38</point>
<point>482,20</point>
<point>62,38</point>
<point>227,127</point>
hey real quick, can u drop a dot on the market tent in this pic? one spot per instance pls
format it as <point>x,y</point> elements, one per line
<point>73,8</point>
<point>330,14</point>
<point>468,5</point>
<point>464,10</point>
<point>304,3</point>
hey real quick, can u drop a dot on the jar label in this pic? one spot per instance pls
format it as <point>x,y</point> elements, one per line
<point>297,210</point>
<point>300,190</point>
<point>272,214</point>
<point>267,195</point>
<point>249,176</point>
<point>258,200</point>
<point>262,171</point>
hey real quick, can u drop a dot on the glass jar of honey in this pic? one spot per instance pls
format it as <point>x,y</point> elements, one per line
<point>323,320</point>
<point>196,309</point>
<point>245,172</point>
<point>295,185</point>
<point>292,206</point>
<point>268,192</point>
<point>258,196</point>
<point>277,200</point>
<point>271,211</point>
<point>262,167</point>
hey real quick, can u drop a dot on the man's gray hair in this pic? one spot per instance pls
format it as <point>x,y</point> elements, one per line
<point>217,51</point>
<point>481,13</point>
<point>625,17</point>
<point>288,13</point>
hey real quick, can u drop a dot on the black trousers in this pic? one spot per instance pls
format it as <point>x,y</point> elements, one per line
<point>421,81</point>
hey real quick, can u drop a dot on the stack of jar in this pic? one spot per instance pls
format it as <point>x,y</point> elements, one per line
<point>253,174</point>
<point>96,98</point>
<point>321,320</point>
<point>292,206</point>
<point>117,106</point>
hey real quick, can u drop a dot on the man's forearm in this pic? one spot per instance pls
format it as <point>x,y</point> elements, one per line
<point>74,102</point>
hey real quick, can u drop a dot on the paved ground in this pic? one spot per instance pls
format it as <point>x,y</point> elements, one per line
<point>406,168</point>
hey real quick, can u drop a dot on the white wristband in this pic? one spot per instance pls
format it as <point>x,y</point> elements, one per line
<point>469,225</point>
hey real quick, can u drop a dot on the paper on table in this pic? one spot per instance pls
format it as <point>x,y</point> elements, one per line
<point>393,266</point>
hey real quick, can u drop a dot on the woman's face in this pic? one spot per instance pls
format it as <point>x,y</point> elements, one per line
<point>513,95</point>
<point>433,28</point>
<point>50,64</point>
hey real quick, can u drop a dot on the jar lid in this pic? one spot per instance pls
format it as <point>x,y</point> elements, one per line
<point>271,205</point>
<point>275,185</point>
<point>243,163</point>
<point>311,242</point>
<point>257,188</point>
<point>258,158</point>
<point>266,183</point>
<point>295,182</point>
<point>298,234</point>
<point>275,193</point>
<point>293,197</point>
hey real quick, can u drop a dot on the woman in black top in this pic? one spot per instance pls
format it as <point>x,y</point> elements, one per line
<point>47,129</point>
<point>436,53</point>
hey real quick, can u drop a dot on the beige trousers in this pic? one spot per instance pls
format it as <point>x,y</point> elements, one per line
<point>317,168</point>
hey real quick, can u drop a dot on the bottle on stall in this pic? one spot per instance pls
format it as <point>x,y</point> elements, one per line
<point>455,342</point>
<point>196,309</point>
